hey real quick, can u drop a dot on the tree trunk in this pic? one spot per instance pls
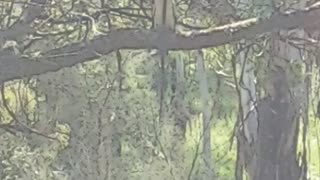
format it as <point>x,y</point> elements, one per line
<point>180,117</point>
<point>273,153</point>
<point>206,114</point>
<point>247,117</point>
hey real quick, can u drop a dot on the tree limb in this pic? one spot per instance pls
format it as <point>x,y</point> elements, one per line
<point>15,66</point>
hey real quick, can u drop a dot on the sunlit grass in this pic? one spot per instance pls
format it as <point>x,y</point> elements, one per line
<point>223,157</point>
<point>313,146</point>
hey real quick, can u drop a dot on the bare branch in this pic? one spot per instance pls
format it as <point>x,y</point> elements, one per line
<point>13,66</point>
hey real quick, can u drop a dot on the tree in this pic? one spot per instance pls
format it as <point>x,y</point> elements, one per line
<point>63,38</point>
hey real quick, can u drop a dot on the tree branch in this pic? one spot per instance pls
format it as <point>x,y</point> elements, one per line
<point>13,67</point>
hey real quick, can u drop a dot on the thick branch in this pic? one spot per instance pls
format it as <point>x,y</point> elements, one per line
<point>12,67</point>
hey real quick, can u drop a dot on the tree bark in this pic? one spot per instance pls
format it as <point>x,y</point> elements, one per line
<point>273,154</point>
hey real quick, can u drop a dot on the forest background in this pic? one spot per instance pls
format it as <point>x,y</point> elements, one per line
<point>81,90</point>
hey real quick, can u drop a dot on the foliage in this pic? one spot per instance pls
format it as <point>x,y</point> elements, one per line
<point>99,119</point>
